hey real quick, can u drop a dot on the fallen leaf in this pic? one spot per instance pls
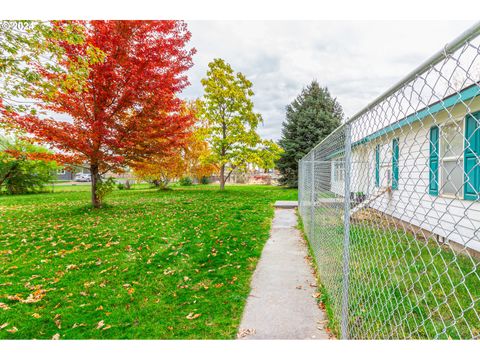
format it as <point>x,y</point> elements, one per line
<point>72,267</point>
<point>168,271</point>
<point>13,330</point>
<point>107,327</point>
<point>35,297</point>
<point>4,306</point>
<point>32,298</point>
<point>56,336</point>
<point>193,316</point>
<point>36,316</point>
<point>3,326</point>
<point>245,332</point>
<point>100,324</point>
<point>131,291</point>
<point>78,325</point>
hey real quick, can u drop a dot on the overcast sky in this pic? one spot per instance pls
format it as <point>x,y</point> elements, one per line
<point>357,61</point>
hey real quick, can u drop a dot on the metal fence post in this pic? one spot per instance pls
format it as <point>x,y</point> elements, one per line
<point>312,200</point>
<point>301,186</point>
<point>346,238</point>
<point>300,183</point>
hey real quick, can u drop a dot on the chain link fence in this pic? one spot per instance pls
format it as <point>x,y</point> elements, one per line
<point>390,205</point>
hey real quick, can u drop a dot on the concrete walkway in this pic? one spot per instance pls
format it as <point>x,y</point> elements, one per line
<point>281,303</point>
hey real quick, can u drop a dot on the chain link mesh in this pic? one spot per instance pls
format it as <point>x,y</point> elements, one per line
<point>390,205</point>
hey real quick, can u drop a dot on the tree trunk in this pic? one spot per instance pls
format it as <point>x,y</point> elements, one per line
<point>222,177</point>
<point>223,152</point>
<point>96,201</point>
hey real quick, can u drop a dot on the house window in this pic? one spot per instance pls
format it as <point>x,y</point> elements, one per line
<point>451,159</point>
<point>339,170</point>
<point>386,175</point>
<point>383,165</point>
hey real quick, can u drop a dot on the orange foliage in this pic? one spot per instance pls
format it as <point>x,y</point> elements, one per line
<point>192,160</point>
<point>197,158</point>
<point>160,170</point>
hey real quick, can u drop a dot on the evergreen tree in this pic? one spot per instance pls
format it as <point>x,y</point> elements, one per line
<point>309,119</point>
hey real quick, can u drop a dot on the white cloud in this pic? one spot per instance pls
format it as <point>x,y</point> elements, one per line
<point>357,60</point>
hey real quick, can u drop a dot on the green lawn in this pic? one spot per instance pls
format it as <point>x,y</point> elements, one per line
<point>403,287</point>
<point>150,265</point>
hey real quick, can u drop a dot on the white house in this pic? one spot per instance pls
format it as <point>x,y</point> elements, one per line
<point>423,169</point>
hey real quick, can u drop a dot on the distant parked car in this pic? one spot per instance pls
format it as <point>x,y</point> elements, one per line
<point>83,178</point>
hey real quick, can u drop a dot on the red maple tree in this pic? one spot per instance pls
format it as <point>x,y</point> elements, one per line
<point>127,108</point>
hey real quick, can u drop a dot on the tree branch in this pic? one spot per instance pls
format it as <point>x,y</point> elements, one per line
<point>230,173</point>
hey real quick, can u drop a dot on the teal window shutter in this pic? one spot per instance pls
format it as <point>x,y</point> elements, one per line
<point>433,162</point>
<point>472,156</point>
<point>395,156</point>
<point>377,166</point>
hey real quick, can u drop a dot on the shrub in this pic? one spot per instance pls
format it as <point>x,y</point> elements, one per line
<point>205,180</point>
<point>105,187</point>
<point>124,186</point>
<point>20,173</point>
<point>186,181</point>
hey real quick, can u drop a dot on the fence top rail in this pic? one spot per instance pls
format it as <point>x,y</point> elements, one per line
<point>440,55</point>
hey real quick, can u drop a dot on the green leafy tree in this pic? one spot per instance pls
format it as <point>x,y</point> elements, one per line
<point>231,123</point>
<point>269,153</point>
<point>309,119</point>
<point>24,167</point>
